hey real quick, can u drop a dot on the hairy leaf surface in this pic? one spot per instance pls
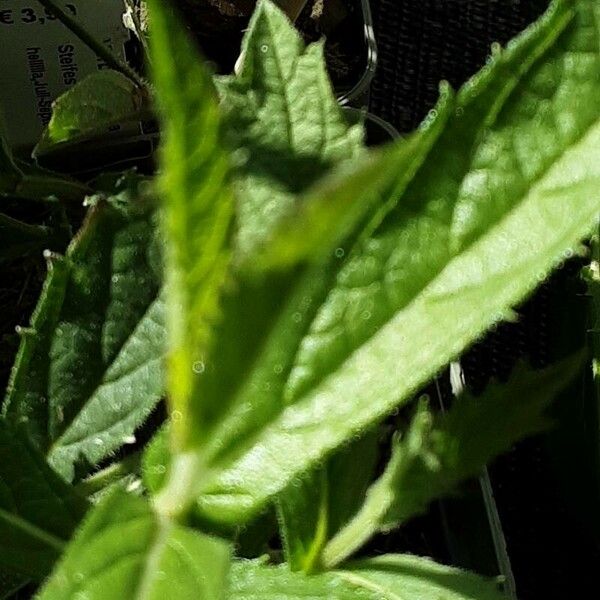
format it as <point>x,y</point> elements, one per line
<point>88,371</point>
<point>506,191</point>
<point>282,118</point>
<point>388,577</point>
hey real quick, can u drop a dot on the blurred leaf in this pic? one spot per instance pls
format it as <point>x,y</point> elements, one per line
<point>123,550</point>
<point>197,219</point>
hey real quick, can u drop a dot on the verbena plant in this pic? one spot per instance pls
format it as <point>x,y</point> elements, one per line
<point>285,290</point>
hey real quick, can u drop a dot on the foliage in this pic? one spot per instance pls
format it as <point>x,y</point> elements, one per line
<point>286,290</point>
<point>99,101</point>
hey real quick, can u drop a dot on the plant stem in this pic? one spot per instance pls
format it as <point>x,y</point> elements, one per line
<point>34,231</point>
<point>41,187</point>
<point>98,481</point>
<point>176,498</point>
<point>352,536</point>
<point>101,51</point>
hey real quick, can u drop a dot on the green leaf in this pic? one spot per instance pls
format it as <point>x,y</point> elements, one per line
<point>390,576</point>
<point>38,511</point>
<point>438,452</point>
<point>327,214</point>
<point>88,370</point>
<point>123,550</point>
<point>312,510</point>
<point>264,319</point>
<point>198,211</point>
<point>486,217</point>
<point>417,240</point>
<point>91,106</point>
<point>281,115</point>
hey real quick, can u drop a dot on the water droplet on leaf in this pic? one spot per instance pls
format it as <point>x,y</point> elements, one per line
<point>198,367</point>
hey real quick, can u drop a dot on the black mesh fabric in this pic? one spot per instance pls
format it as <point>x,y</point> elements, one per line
<point>424,41</point>
<point>551,542</point>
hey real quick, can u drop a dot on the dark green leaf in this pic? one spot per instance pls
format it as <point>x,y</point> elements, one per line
<point>38,511</point>
<point>313,509</point>
<point>88,371</point>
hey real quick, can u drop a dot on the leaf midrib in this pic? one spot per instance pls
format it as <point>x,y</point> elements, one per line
<point>371,586</point>
<point>33,530</point>
<point>57,443</point>
<point>484,124</point>
<point>279,425</point>
<point>153,557</point>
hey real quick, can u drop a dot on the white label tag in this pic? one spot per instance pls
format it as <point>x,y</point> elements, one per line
<point>40,59</point>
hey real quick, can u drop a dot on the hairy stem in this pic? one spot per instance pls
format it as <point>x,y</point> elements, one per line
<point>175,500</point>
<point>101,479</point>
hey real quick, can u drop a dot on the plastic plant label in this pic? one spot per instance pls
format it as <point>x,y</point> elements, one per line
<point>41,59</point>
